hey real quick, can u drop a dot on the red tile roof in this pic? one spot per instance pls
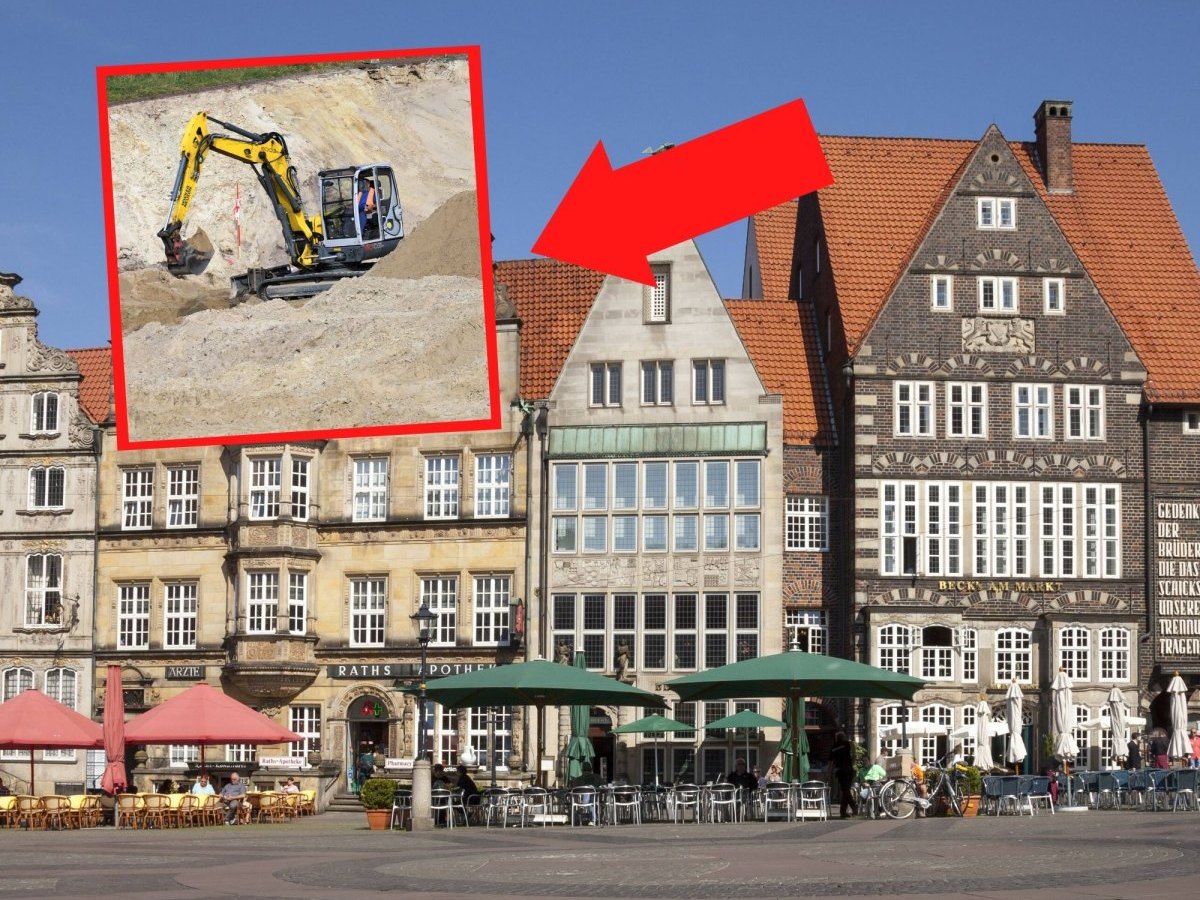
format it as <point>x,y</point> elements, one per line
<point>781,338</point>
<point>552,300</point>
<point>1119,221</point>
<point>95,391</point>
<point>775,239</point>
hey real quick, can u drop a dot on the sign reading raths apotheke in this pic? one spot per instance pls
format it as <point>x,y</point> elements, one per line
<point>184,673</point>
<point>1177,575</point>
<point>383,671</point>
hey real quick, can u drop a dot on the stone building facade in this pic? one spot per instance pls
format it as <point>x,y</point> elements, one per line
<point>47,547</point>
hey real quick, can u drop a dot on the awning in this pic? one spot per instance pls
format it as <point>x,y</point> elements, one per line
<point>596,441</point>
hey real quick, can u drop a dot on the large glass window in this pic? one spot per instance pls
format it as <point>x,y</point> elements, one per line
<point>491,610</point>
<point>1074,653</point>
<point>183,496</point>
<point>47,487</point>
<point>137,502</point>
<point>368,612</point>
<point>440,594</point>
<point>61,686</point>
<point>370,489</point>
<point>262,602</point>
<point>179,615</point>
<point>895,648</point>
<point>441,487</point>
<point>493,473</point>
<point>133,616</point>
<point>297,602</point>
<point>265,475</point>
<point>708,381</point>
<point>43,590</point>
<point>44,418</point>
<point>806,523</point>
<point>305,720</point>
<point>1114,655</point>
<point>606,384</point>
<point>914,408</point>
<point>1014,656</point>
<point>300,486</point>
<point>806,629</point>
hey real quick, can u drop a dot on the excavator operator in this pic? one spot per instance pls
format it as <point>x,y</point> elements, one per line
<point>364,200</point>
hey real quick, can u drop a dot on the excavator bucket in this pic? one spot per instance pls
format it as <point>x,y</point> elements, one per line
<point>190,257</point>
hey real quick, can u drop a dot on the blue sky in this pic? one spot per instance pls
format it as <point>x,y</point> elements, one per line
<point>560,76</point>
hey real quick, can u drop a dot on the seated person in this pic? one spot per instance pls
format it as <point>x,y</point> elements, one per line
<point>585,778</point>
<point>470,791</point>
<point>876,772</point>
<point>233,795</point>
<point>203,787</point>
<point>922,788</point>
<point>438,777</point>
<point>740,778</point>
<point>290,786</point>
<point>774,775</point>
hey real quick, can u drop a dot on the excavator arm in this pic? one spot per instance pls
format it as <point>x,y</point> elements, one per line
<point>268,154</point>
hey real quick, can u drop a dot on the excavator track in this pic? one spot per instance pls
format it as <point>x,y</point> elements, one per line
<point>285,283</point>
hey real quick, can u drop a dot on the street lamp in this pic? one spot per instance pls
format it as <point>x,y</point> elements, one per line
<point>423,621</point>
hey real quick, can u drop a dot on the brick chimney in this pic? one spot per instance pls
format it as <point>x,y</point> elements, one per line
<point>1052,126</point>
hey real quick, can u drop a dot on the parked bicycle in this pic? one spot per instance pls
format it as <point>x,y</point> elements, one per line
<point>901,797</point>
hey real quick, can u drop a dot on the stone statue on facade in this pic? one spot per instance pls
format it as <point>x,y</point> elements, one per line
<point>621,663</point>
<point>562,653</point>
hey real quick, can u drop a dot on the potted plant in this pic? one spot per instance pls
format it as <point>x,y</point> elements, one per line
<point>377,796</point>
<point>972,787</point>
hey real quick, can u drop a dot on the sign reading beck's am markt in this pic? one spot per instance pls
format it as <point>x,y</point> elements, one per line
<point>1177,576</point>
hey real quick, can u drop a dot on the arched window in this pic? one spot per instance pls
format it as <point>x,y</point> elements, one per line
<point>895,648</point>
<point>937,652</point>
<point>1014,656</point>
<point>14,681</point>
<point>60,685</point>
<point>1074,653</point>
<point>889,716</point>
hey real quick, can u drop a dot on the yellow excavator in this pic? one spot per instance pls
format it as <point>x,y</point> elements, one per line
<point>360,219</point>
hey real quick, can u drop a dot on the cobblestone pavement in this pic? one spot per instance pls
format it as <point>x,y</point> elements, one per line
<point>1084,855</point>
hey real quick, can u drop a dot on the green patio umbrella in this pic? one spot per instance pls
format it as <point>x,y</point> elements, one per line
<point>579,748</point>
<point>536,683</point>
<point>795,759</point>
<point>746,719</point>
<point>795,675</point>
<point>656,724</point>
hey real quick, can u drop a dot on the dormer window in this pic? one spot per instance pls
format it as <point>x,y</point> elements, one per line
<point>996,213</point>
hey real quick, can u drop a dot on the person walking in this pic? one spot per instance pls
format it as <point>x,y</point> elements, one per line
<point>842,758</point>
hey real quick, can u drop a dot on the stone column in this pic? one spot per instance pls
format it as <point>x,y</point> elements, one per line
<point>625,744</point>
<point>422,814</point>
<point>564,735</point>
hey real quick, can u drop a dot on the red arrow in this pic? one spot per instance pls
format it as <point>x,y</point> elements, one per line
<point>611,220</point>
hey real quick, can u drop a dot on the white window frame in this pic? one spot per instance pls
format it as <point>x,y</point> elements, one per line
<point>440,594</point>
<point>919,400</point>
<point>44,590</point>
<point>1191,421</point>
<point>658,299</point>
<point>368,611</point>
<point>807,523</point>
<point>941,281</point>
<point>893,649</point>
<point>709,387</point>
<point>262,601</point>
<point>297,608</point>
<point>14,681</point>
<point>1114,655</point>
<point>441,486</point>
<point>969,400</point>
<point>968,641</point>
<point>657,382</point>
<point>180,614</point>
<point>45,408</point>
<point>1075,653</point>
<point>1083,412</point>
<point>1035,409</point>
<point>266,480</point>
<point>301,476</point>
<point>493,486</point>
<point>63,687</point>
<point>491,611</point>
<point>1050,286</point>
<point>137,498</point>
<point>1013,662</point>
<point>807,627</point>
<point>183,496</point>
<point>133,615</point>
<point>305,720</point>
<point>370,485</point>
<point>43,481</point>
<point>994,220</point>
<point>604,385</point>
<point>1005,294</point>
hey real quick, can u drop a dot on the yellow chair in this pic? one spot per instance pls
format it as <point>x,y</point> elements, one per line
<point>91,812</point>
<point>291,805</point>
<point>29,812</point>
<point>187,810</point>
<point>75,817</point>
<point>56,811</point>
<point>8,812</point>
<point>270,807</point>
<point>157,807</point>
<point>131,811</point>
<point>308,803</point>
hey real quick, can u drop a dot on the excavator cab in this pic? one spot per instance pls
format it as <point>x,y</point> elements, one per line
<point>360,212</point>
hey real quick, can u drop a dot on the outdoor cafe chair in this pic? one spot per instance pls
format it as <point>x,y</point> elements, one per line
<point>812,795</point>
<point>535,802</point>
<point>8,811</point>
<point>186,811</point>
<point>1108,791</point>
<point>270,807</point>
<point>1121,777</point>
<point>56,811</point>
<point>493,803</point>
<point>291,805</point>
<point>155,809</point>
<point>401,809</point>
<point>724,801</point>
<point>29,812</point>
<point>1091,787</point>
<point>626,800</point>
<point>445,803</point>
<point>1036,789</point>
<point>308,803</point>
<point>584,801</point>
<point>1184,792</point>
<point>776,796</point>
<point>1010,799</point>
<point>685,797</point>
<point>1164,783</point>
<point>1139,785</point>
<point>130,811</point>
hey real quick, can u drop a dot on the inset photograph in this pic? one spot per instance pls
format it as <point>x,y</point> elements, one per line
<point>298,248</point>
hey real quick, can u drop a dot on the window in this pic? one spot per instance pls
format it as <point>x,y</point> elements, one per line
<point>890,717</point>
<point>996,213</point>
<point>1033,411</point>
<point>595,485</point>
<point>716,484</point>
<point>46,487</point>
<point>594,630</point>
<point>937,714</point>
<point>1082,736</point>
<point>492,485</point>
<point>685,631</point>
<point>440,594</point>
<point>606,384</point>
<point>658,383</point>
<point>895,648</point>
<point>966,410</point>
<point>1014,656</point>
<point>943,529</point>
<point>16,681</point>
<point>716,532</point>
<point>300,489</point>
<point>595,534</point>
<point>563,623</point>
<point>566,477</point>
<point>1085,412</point>
<point>746,626</point>
<point>654,631</point>
<point>806,523</point>
<point>745,531</point>
<point>941,292</point>
<point>937,653</point>
<point>806,629</point>
<point>137,501</point>
<point>716,630</point>
<point>687,485</point>
<point>500,742</point>
<point>969,642</point>
<point>44,418</point>
<point>370,489</point>
<point>624,534</point>
<point>183,496</point>
<point>997,294</point>
<point>306,722</point>
<point>970,720</point>
<point>491,610</point>
<point>43,590</point>
<point>265,480</point>
<point>914,408</point>
<point>183,755</point>
<point>241,753</point>
<point>1191,421</point>
<point>179,615</point>
<point>654,479</point>
<point>708,381</point>
<point>1074,653</point>
<point>61,686</point>
<point>625,486</point>
<point>746,483</point>
<point>654,533</point>
<point>133,616</point>
<point>1114,655</point>
<point>624,627</point>
<point>441,487</point>
<point>1054,296</point>
<point>297,602</point>
<point>262,602</point>
<point>564,534</point>
<point>368,612</point>
<point>658,298</point>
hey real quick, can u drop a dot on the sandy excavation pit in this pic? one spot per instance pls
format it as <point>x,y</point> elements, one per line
<point>404,343</point>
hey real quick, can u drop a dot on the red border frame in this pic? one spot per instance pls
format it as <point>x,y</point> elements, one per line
<point>472,53</point>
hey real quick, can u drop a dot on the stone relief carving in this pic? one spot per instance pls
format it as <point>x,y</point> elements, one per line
<point>42,358</point>
<point>988,334</point>
<point>746,572</point>
<point>716,568</point>
<point>685,572</point>
<point>81,433</point>
<point>654,572</point>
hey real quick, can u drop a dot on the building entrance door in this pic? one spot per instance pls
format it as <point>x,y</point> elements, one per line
<point>367,734</point>
<point>600,732</point>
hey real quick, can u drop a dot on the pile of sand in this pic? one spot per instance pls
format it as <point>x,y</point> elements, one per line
<point>404,343</point>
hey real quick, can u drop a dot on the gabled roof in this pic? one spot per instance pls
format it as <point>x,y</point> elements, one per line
<point>552,300</point>
<point>1119,221</point>
<point>781,338</point>
<point>96,389</point>
<point>775,239</point>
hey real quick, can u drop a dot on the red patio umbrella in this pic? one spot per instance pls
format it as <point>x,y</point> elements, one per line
<point>114,776</point>
<point>32,721</point>
<point>202,715</point>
